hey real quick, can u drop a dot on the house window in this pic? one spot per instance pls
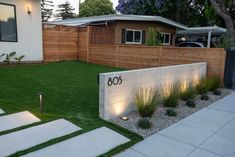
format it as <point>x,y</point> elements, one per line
<point>133,36</point>
<point>8,32</point>
<point>166,38</point>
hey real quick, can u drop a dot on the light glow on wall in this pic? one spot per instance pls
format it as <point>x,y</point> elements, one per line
<point>118,108</point>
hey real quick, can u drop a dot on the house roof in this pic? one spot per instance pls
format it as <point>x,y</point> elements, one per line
<point>202,30</point>
<point>116,17</point>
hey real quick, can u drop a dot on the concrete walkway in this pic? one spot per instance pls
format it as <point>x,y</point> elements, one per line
<point>209,132</point>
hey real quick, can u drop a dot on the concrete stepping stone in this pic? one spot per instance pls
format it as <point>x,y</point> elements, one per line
<point>1,111</point>
<point>90,144</point>
<point>17,120</point>
<point>27,138</point>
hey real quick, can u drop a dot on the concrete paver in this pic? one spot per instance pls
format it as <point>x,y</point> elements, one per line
<point>1,111</point>
<point>90,144</point>
<point>26,138</point>
<point>162,146</point>
<point>221,145</point>
<point>202,153</point>
<point>186,134</point>
<point>15,120</point>
<point>130,152</point>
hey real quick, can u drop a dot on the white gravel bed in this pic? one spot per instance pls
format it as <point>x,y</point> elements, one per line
<point>161,121</point>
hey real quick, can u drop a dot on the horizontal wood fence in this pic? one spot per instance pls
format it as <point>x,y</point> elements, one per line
<point>60,43</point>
<point>134,57</point>
<point>74,43</point>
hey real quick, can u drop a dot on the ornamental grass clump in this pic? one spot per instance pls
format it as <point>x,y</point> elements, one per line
<point>144,123</point>
<point>203,86</point>
<point>172,95</point>
<point>214,83</point>
<point>146,101</point>
<point>189,93</point>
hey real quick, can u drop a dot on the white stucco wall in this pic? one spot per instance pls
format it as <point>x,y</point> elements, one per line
<point>117,100</point>
<point>29,30</point>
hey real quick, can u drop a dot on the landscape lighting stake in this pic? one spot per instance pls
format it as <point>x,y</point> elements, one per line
<point>41,102</point>
<point>125,118</point>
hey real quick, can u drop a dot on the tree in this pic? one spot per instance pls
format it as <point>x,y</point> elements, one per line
<point>65,11</point>
<point>96,8</point>
<point>187,12</point>
<point>223,12</point>
<point>46,9</point>
<point>139,7</point>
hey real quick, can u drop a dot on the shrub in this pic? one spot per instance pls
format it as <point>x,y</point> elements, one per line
<point>2,55</point>
<point>9,56</point>
<point>204,97</point>
<point>214,82</point>
<point>172,95</point>
<point>190,103</point>
<point>171,113</point>
<point>217,92</point>
<point>153,37</point>
<point>146,101</point>
<point>203,86</point>
<point>144,123</point>
<point>19,58</point>
<point>189,93</point>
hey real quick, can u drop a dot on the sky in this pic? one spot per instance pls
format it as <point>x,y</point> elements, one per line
<point>74,3</point>
<point>6,12</point>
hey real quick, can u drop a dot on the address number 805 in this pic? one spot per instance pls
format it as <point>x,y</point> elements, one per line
<point>114,80</point>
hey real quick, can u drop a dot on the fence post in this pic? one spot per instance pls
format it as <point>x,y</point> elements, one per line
<point>160,57</point>
<point>229,75</point>
<point>58,59</point>
<point>78,42</point>
<point>88,43</point>
<point>117,51</point>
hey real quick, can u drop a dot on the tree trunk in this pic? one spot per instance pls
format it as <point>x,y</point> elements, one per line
<point>222,11</point>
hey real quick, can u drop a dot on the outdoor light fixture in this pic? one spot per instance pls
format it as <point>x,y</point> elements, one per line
<point>41,102</point>
<point>125,118</point>
<point>29,11</point>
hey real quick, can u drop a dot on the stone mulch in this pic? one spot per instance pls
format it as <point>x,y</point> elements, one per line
<point>160,120</point>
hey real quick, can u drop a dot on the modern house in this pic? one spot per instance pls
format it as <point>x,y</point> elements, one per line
<point>125,29</point>
<point>21,29</point>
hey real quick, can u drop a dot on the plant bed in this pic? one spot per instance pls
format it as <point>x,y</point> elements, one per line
<point>160,120</point>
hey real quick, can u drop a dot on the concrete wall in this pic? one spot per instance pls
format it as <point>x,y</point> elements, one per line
<point>117,100</point>
<point>29,29</point>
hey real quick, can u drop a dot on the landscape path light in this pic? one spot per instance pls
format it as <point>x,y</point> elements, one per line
<point>41,102</point>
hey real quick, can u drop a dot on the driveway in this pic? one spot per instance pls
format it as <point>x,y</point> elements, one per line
<point>209,132</point>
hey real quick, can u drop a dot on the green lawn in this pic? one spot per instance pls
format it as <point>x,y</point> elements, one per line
<point>70,91</point>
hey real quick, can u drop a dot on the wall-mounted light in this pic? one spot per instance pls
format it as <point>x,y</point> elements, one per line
<point>29,10</point>
<point>41,102</point>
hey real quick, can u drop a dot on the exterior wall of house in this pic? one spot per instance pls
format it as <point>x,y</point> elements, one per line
<point>142,26</point>
<point>29,31</point>
<point>104,34</point>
